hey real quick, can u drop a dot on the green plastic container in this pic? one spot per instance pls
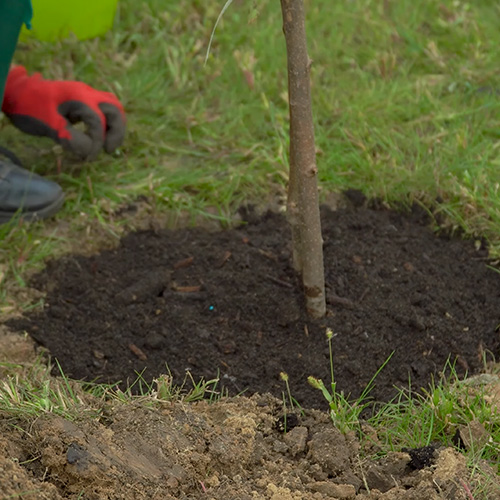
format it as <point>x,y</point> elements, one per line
<point>57,19</point>
<point>13,13</point>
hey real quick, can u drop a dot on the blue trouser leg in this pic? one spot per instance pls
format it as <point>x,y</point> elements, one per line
<point>13,13</point>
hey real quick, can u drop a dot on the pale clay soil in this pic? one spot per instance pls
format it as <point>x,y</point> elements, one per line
<point>232,449</point>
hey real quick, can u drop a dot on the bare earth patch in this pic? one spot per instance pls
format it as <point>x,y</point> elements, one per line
<point>228,450</point>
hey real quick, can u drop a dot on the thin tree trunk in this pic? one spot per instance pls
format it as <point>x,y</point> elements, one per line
<point>303,202</point>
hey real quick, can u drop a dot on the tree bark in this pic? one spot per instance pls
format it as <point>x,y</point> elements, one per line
<point>303,199</point>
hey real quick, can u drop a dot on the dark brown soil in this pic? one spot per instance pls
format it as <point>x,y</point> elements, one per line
<point>228,303</point>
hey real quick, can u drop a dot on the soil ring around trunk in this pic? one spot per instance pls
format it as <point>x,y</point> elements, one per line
<point>228,304</point>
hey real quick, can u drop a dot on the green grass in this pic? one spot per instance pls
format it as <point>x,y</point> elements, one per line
<point>26,393</point>
<point>449,406</point>
<point>397,98</point>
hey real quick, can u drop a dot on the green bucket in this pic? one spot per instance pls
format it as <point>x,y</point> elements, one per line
<point>57,19</point>
<point>13,14</point>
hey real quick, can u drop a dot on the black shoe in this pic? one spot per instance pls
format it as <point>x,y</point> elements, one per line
<point>26,194</point>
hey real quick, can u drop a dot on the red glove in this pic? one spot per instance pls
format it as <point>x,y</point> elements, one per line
<point>49,107</point>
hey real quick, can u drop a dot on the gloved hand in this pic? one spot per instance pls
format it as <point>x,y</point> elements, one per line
<point>50,107</point>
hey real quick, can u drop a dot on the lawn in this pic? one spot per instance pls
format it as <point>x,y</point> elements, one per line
<point>405,99</point>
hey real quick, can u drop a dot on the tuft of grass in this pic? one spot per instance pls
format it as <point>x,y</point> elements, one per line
<point>345,414</point>
<point>292,407</point>
<point>31,393</point>
<point>451,412</point>
<point>28,393</point>
<point>161,390</point>
<point>438,413</point>
<point>166,390</point>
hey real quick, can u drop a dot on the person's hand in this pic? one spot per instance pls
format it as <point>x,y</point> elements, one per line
<point>50,108</point>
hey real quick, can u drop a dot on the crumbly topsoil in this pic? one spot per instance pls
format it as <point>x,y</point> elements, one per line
<point>228,303</point>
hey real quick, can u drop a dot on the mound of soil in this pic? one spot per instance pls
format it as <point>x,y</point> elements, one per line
<point>224,451</point>
<point>228,304</point>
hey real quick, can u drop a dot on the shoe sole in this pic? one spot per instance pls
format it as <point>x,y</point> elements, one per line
<point>43,213</point>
